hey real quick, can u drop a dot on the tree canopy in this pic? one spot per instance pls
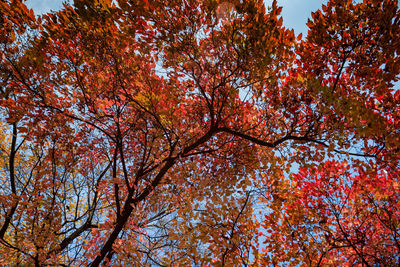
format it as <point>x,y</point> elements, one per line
<point>199,133</point>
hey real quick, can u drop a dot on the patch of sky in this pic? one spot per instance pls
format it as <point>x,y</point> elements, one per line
<point>295,13</point>
<point>44,6</point>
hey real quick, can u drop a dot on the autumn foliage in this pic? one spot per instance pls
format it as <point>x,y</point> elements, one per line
<point>199,133</point>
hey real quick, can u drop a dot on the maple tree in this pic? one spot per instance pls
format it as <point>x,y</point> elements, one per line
<point>153,132</point>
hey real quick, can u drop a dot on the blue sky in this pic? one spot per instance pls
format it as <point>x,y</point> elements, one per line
<point>295,12</point>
